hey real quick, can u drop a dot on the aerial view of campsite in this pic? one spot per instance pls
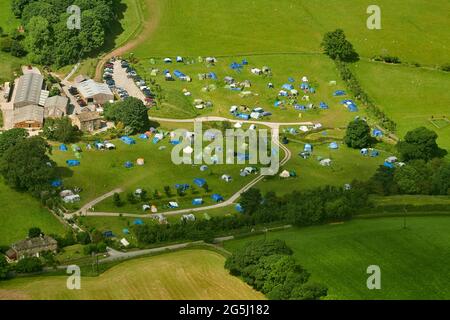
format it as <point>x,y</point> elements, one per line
<point>224,150</point>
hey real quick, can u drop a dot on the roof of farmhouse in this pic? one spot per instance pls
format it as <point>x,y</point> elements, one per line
<point>32,243</point>
<point>90,88</point>
<point>29,88</point>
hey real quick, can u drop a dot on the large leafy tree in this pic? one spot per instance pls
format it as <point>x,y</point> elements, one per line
<point>27,167</point>
<point>10,138</point>
<point>4,267</point>
<point>441,180</point>
<point>420,143</point>
<point>38,40</point>
<point>337,47</point>
<point>251,200</point>
<point>414,178</point>
<point>61,130</point>
<point>358,134</point>
<point>131,112</point>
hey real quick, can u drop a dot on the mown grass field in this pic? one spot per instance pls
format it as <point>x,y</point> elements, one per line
<point>414,30</point>
<point>413,261</point>
<point>20,212</point>
<point>319,69</point>
<point>410,96</point>
<point>107,169</point>
<point>188,274</point>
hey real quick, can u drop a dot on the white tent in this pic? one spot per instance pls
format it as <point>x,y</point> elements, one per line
<point>226,178</point>
<point>188,150</point>
<point>238,125</point>
<point>325,162</point>
<point>285,174</point>
<point>124,242</point>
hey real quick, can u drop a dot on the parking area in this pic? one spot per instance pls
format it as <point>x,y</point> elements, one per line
<point>125,85</point>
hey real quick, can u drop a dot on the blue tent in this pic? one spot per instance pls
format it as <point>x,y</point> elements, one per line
<point>217,197</point>
<point>143,136</point>
<point>235,66</point>
<point>197,201</point>
<point>174,142</point>
<point>243,156</point>
<point>179,74</point>
<point>277,103</point>
<point>73,163</point>
<point>290,79</point>
<point>299,107</point>
<point>339,93</point>
<point>333,145</point>
<point>244,62</point>
<point>155,140</point>
<point>308,147</point>
<point>288,86</point>
<point>199,182</point>
<point>56,183</point>
<point>138,222</point>
<point>244,116</point>
<point>312,90</point>
<point>377,133</point>
<point>182,186</point>
<point>128,164</point>
<point>127,140</point>
<point>108,234</point>
<point>304,86</point>
<point>63,147</point>
<point>388,165</point>
<point>239,208</point>
<point>126,231</point>
<point>323,105</point>
<point>374,153</point>
<point>212,75</point>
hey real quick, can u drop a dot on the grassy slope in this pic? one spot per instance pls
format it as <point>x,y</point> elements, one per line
<point>19,212</point>
<point>199,274</point>
<point>414,262</point>
<point>410,96</point>
<point>246,26</point>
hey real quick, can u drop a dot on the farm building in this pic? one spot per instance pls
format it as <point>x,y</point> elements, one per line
<point>56,107</point>
<point>87,121</point>
<point>95,92</point>
<point>31,116</point>
<point>31,247</point>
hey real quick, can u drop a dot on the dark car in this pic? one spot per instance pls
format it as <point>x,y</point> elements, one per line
<point>73,91</point>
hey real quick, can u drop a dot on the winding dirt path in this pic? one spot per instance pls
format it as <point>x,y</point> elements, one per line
<point>146,30</point>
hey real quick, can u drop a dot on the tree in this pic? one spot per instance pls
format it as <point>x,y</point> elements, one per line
<point>382,182</point>
<point>92,34</point>
<point>116,200</point>
<point>10,138</point>
<point>420,143</point>
<point>414,178</point>
<point>167,191</point>
<point>131,112</point>
<point>18,6</point>
<point>28,265</point>
<point>61,129</point>
<point>34,232</point>
<point>358,134</point>
<point>441,180</point>
<point>83,238</point>
<point>6,44</point>
<point>309,291</point>
<point>26,166</point>
<point>17,49</point>
<point>251,200</point>
<point>38,41</point>
<point>337,47</point>
<point>4,267</point>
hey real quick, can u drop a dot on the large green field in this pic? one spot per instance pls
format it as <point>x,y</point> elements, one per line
<point>414,30</point>
<point>410,96</point>
<point>413,261</point>
<point>188,274</point>
<point>20,212</point>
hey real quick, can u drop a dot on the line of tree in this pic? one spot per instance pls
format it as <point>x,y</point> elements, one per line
<point>269,267</point>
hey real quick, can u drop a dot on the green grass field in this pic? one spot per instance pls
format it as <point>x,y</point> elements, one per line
<point>188,274</point>
<point>410,96</point>
<point>413,261</point>
<point>415,31</point>
<point>19,212</point>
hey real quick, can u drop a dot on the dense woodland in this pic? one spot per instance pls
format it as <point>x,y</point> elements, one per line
<point>46,37</point>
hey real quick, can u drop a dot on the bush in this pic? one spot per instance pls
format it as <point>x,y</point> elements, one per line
<point>387,59</point>
<point>28,265</point>
<point>445,67</point>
